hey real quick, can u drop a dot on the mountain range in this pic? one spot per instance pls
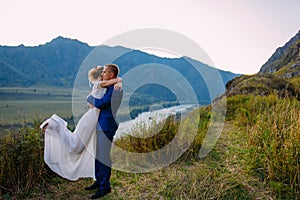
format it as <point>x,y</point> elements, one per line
<point>52,64</point>
<point>57,64</point>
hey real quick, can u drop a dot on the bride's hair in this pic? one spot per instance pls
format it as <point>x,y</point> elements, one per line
<point>95,73</point>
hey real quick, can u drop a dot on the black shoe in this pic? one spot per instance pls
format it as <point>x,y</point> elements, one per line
<point>101,193</point>
<point>95,185</point>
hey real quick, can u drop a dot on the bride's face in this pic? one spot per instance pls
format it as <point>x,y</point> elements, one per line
<point>101,77</point>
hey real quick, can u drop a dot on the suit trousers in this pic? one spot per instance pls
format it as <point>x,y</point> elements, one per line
<point>103,161</point>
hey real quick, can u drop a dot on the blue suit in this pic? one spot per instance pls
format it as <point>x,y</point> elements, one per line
<point>106,129</point>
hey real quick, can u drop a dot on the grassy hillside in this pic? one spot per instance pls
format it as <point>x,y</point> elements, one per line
<point>263,85</point>
<point>256,157</point>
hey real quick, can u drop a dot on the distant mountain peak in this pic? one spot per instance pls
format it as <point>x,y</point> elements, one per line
<point>61,38</point>
<point>283,56</point>
<point>64,41</point>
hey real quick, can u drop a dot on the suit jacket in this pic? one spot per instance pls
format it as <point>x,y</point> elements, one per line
<point>108,106</point>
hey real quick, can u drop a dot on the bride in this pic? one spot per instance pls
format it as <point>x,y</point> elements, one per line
<point>72,154</point>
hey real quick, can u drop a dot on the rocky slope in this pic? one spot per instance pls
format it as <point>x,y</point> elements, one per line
<point>279,75</point>
<point>285,61</point>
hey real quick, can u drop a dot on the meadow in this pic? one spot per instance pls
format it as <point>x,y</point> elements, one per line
<point>19,104</point>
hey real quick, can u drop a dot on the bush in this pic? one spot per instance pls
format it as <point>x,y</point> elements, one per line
<point>139,144</point>
<point>22,160</point>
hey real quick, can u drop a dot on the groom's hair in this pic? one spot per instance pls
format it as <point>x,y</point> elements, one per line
<point>113,68</point>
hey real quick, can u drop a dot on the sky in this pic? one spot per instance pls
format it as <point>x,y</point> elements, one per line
<point>238,35</point>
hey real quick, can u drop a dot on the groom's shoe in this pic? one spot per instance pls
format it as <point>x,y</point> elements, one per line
<point>101,193</point>
<point>95,185</point>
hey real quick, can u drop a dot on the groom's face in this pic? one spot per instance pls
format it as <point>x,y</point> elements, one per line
<point>106,74</point>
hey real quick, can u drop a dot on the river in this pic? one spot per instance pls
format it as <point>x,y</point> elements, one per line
<point>146,119</point>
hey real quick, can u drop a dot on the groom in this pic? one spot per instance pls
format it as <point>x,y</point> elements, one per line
<point>106,129</point>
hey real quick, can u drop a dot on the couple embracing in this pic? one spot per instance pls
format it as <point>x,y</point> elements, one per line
<point>85,152</point>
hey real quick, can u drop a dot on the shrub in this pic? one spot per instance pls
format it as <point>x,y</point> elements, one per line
<point>22,160</point>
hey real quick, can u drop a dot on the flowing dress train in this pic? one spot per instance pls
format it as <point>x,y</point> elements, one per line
<point>71,154</point>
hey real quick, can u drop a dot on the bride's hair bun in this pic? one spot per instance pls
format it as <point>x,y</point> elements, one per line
<point>95,73</point>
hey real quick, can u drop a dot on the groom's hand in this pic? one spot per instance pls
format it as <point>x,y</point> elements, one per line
<point>90,103</point>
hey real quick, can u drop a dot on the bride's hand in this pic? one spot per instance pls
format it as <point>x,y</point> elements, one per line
<point>45,127</point>
<point>90,105</point>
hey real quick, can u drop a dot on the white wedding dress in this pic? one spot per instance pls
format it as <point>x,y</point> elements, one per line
<point>72,154</point>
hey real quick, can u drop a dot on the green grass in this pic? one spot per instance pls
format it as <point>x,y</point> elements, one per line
<point>296,81</point>
<point>271,127</point>
<point>17,104</point>
<point>274,144</point>
<point>17,110</point>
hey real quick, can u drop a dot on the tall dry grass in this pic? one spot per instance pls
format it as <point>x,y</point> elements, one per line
<point>274,143</point>
<point>272,128</point>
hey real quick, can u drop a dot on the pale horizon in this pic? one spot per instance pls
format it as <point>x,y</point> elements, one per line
<point>238,36</point>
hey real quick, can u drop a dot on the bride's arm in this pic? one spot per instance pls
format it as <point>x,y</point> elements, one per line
<point>113,81</point>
